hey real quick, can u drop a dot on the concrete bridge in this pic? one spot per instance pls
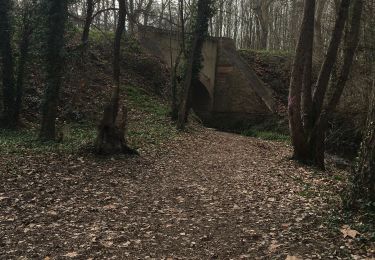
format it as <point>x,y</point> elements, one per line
<point>229,89</point>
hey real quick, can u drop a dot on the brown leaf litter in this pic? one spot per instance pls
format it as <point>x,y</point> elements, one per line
<point>204,195</point>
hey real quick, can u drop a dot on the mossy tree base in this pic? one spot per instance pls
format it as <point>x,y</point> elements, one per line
<point>112,130</point>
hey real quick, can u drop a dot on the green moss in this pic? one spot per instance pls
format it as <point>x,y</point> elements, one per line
<point>266,135</point>
<point>148,125</point>
<point>99,36</point>
<point>266,53</point>
<point>307,192</point>
<point>140,99</point>
<point>274,129</point>
<point>153,127</point>
<point>338,177</point>
<point>75,136</point>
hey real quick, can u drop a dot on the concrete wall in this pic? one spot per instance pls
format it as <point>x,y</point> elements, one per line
<point>236,93</point>
<point>162,44</point>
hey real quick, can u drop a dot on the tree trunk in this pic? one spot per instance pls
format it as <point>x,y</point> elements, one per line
<point>219,24</point>
<point>193,66</point>
<point>365,173</point>
<point>351,44</point>
<point>174,65</point>
<point>106,17</point>
<point>188,81</point>
<point>115,15</point>
<point>24,53</point>
<point>319,42</point>
<point>57,15</point>
<point>363,182</point>
<point>309,137</point>
<point>299,138</point>
<point>147,12</point>
<point>262,14</point>
<point>88,21</point>
<point>182,22</point>
<point>8,65</point>
<point>112,128</point>
<point>131,16</point>
<point>307,101</point>
<point>330,60</point>
<point>317,139</point>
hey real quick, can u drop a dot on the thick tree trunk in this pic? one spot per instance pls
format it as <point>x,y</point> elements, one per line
<point>365,173</point>
<point>307,75</point>
<point>112,128</point>
<point>88,21</point>
<point>57,15</point>
<point>24,53</point>
<point>8,65</point>
<point>299,138</point>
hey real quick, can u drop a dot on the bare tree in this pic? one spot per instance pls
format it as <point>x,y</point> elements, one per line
<point>308,135</point>
<point>57,15</point>
<point>112,128</point>
<point>24,48</point>
<point>193,66</point>
<point>6,52</point>
<point>89,17</point>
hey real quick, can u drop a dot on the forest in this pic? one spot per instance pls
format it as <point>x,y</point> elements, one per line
<point>187,129</point>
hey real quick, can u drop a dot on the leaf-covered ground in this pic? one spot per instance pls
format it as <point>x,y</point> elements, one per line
<point>202,195</point>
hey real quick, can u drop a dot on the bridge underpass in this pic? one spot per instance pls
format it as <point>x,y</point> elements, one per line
<point>229,89</point>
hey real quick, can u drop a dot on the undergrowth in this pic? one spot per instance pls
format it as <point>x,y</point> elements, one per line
<point>266,135</point>
<point>273,129</point>
<point>148,125</point>
<point>267,53</point>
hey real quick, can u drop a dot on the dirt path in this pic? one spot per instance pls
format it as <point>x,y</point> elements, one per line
<point>208,195</point>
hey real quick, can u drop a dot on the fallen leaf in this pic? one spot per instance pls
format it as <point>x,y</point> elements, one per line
<point>180,199</point>
<point>107,243</point>
<point>71,254</point>
<point>52,213</point>
<point>273,246</point>
<point>285,226</point>
<point>110,206</point>
<point>348,232</point>
<point>292,257</point>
